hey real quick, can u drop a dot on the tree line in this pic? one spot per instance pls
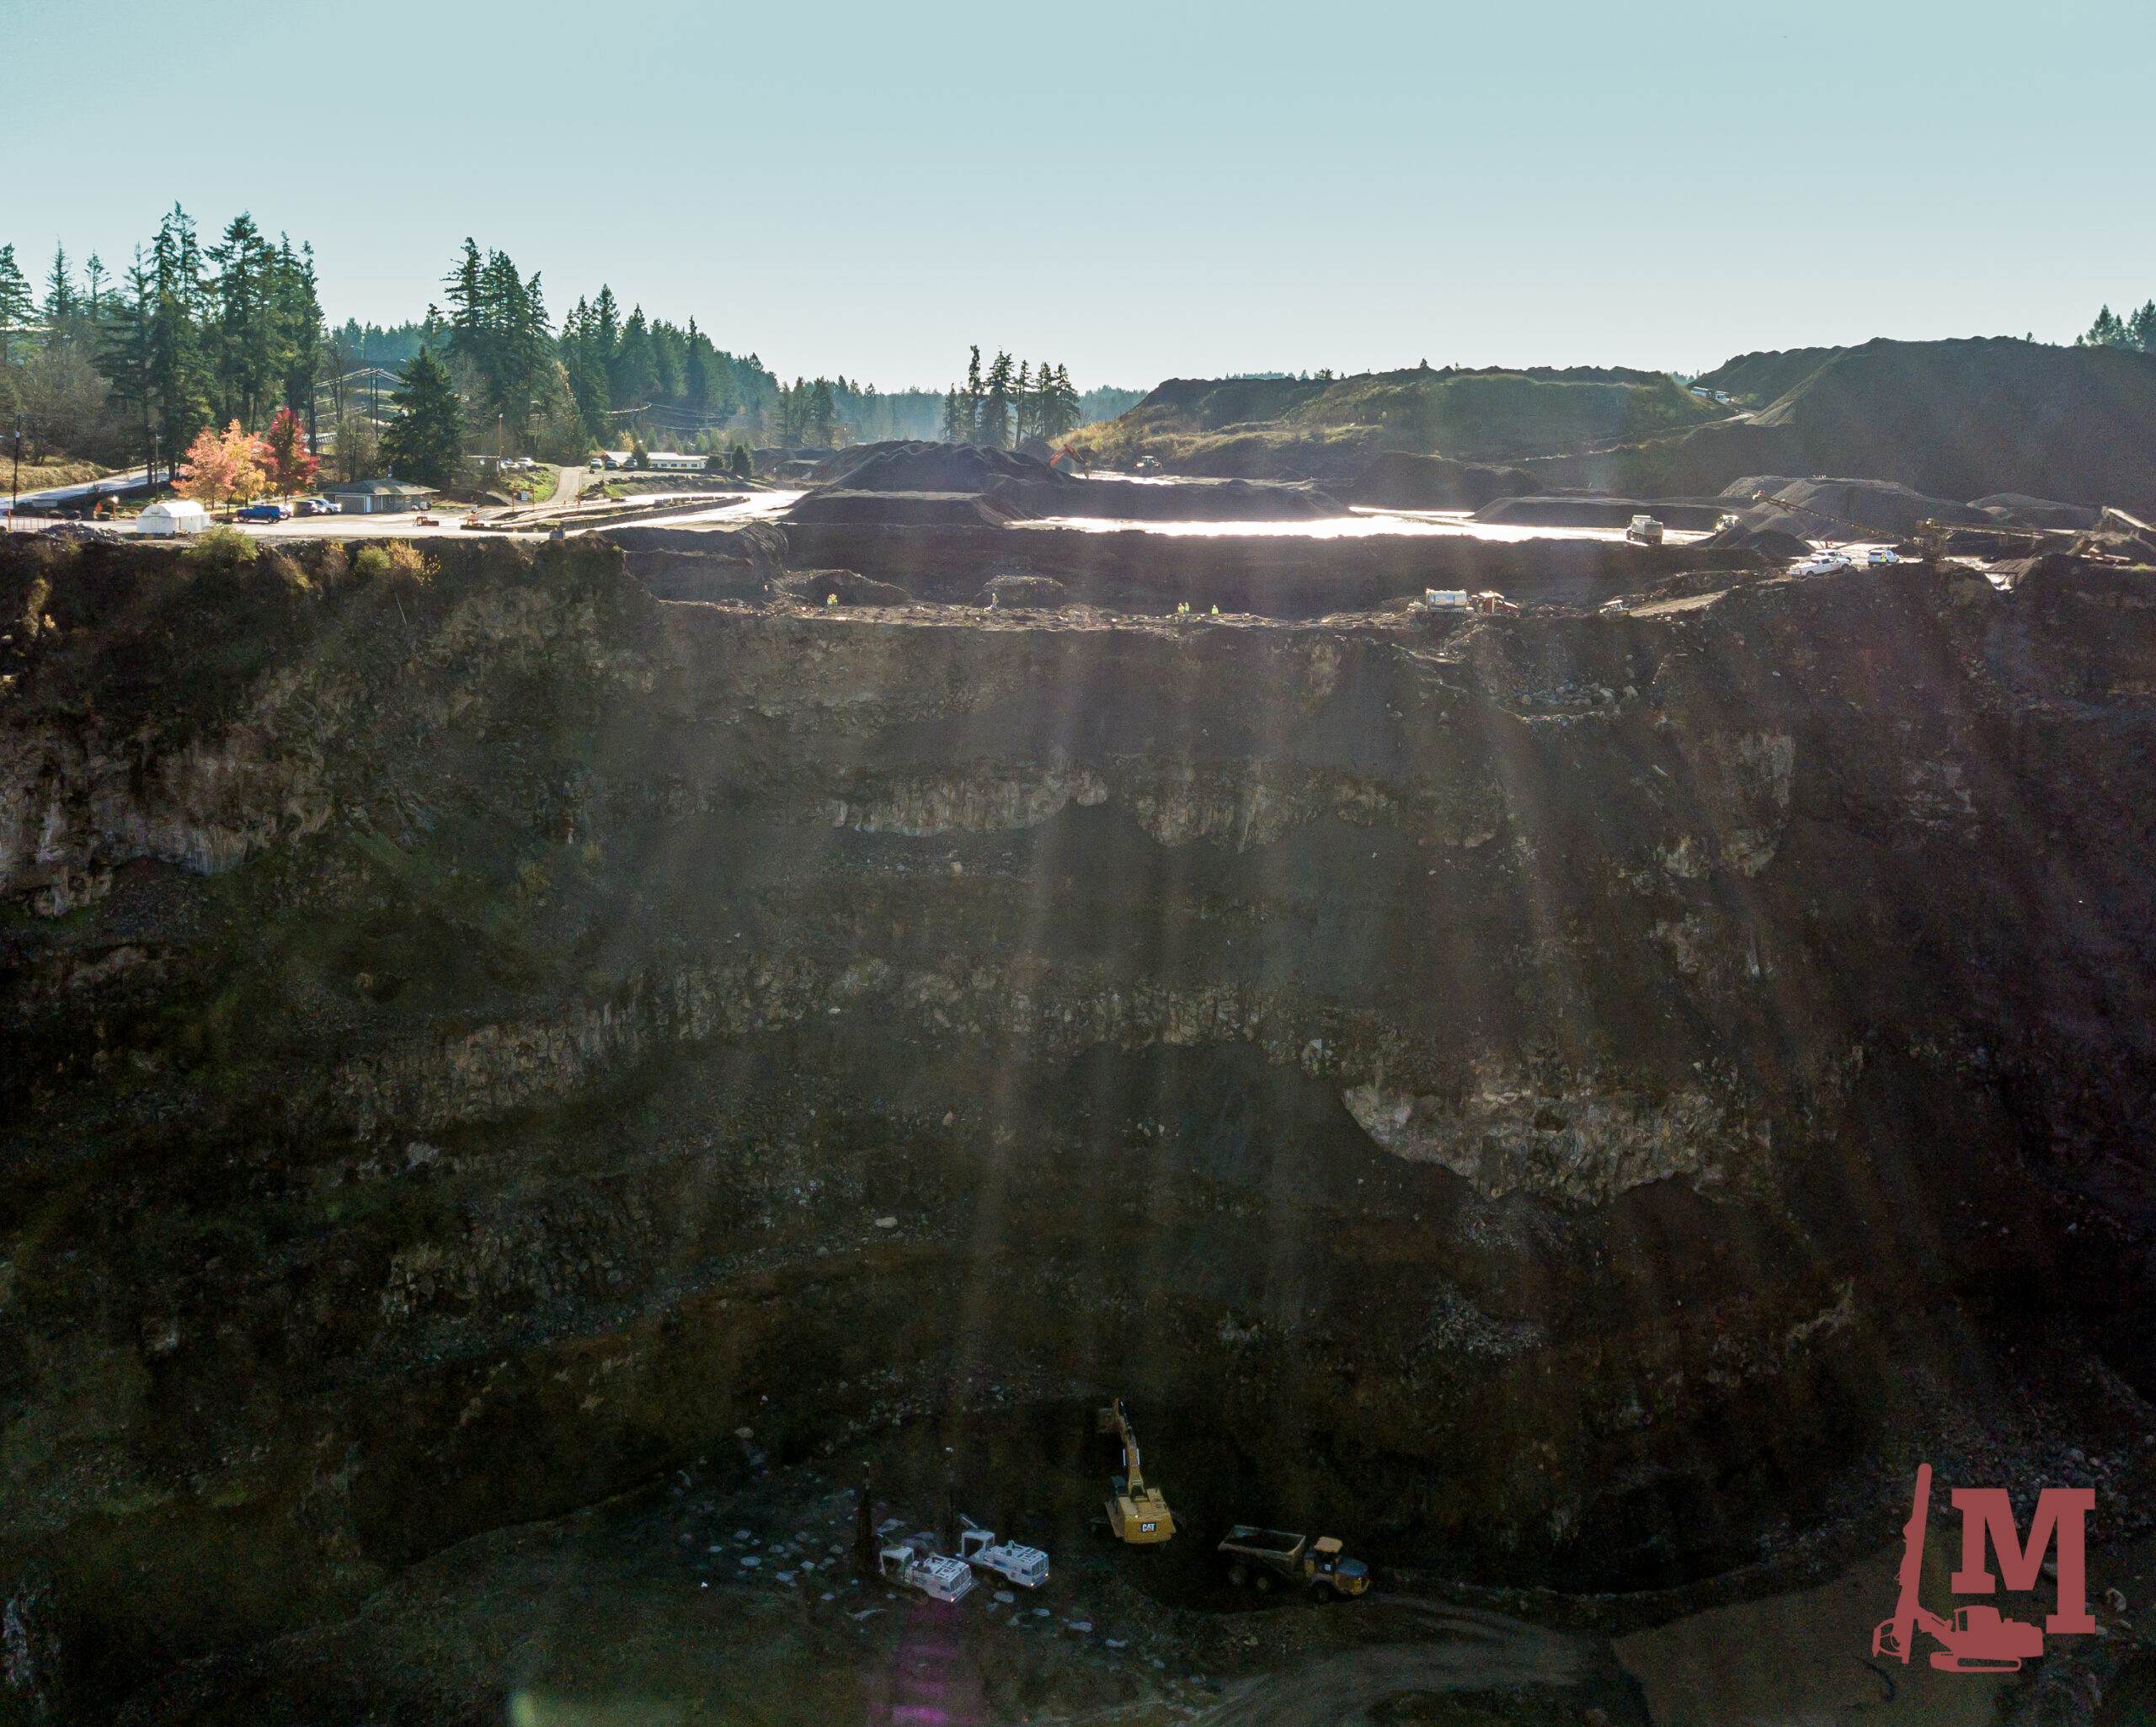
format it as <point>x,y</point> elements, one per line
<point>198,335</point>
<point>188,335</point>
<point>1008,405</point>
<point>2137,330</point>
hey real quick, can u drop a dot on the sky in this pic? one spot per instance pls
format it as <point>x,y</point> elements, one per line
<point>1135,191</point>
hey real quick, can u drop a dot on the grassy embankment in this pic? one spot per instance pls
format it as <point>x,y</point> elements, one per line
<point>1329,428</point>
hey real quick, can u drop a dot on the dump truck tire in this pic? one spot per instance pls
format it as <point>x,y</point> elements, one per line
<point>1264,1581</point>
<point>1238,1576</point>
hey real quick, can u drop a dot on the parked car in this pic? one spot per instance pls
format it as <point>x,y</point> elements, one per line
<point>262,512</point>
<point>315,506</point>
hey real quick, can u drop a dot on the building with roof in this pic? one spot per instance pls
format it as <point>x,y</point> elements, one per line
<point>379,497</point>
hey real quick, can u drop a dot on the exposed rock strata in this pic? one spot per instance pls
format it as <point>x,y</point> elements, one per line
<point>1497,1086</point>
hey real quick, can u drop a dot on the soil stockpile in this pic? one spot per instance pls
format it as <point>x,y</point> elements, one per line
<point>1493,414</point>
<point>1949,419</point>
<point>900,466</point>
<point>2016,510</point>
<point>1686,515</point>
<point>1185,500</point>
<point>926,509</point>
<point>1769,534</point>
<point>1848,509</point>
<point>1754,380</point>
<point>1400,480</point>
<point>1018,486</point>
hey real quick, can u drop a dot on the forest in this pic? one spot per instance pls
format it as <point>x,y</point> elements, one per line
<point>129,366</point>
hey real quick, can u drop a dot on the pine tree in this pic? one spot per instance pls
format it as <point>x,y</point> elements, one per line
<point>181,377</point>
<point>60,302</point>
<point>974,392</point>
<point>124,348</point>
<point>994,425</point>
<point>18,307</point>
<point>425,442</point>
<point>823,414</point>
<point>248,349</point>
<point>2109,331</point>
<point>2141,327</point>
<point>743,466</point>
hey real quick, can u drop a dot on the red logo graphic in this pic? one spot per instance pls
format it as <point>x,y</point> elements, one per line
<point>1979,1639</point>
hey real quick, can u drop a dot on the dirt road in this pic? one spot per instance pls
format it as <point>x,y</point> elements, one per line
<point>1453,1650</point>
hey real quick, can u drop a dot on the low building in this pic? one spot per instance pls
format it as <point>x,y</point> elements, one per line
<point>172,515</point>
<point>379,497</point>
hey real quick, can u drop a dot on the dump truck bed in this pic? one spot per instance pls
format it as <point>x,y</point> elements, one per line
<point>1262,1544</point>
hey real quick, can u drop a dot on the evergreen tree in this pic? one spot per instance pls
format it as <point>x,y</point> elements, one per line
<point>425,442</point>
<point>823,414</point>
<point>125,349</point>
<point>744,467</point>
<point>18,307</point>
<point>696,375</point>
<point>93,275</point>
<point>2141,327</point>
<point>181,376</point>
<point>2109,331</point>
<point>994,428</point>
<point>1022,404</point>
<point>973,394</point>
<point>248,348</point>
<point>60,302</point>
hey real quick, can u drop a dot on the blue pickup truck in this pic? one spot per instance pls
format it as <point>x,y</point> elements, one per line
<point>262,512</point>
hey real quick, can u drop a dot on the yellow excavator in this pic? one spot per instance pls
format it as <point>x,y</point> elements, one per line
<point>1137,1513</point>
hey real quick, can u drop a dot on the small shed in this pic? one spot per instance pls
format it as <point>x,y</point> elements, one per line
<point>172,515</point>
<point>379,497</point>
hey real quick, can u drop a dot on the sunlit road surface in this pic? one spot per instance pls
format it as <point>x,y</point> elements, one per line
<point>1360,523</point>
<point>1452,1649</point>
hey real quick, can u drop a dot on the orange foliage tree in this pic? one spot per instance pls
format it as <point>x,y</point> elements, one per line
<point>221,466</point>
<point>285,459</point>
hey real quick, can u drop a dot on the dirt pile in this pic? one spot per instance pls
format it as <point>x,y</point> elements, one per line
<point>1400,480</point>
<point>1588,511</point>
<point>480,1038</point>
<point>1956,419</point>
<point>1498,414</point>
<point>917,510</point>
<point>901,466</point>
<point>1844,509</point>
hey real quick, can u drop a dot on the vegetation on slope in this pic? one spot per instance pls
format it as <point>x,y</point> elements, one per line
<point>1332,424</point>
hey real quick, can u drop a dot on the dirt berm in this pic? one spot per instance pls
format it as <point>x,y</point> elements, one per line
<point>1953,419</point>
<point>1570,1101</point>
<point>1018,486</point>
<point>1400,480</point>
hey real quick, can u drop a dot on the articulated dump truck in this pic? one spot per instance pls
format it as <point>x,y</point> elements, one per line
<point>1258,1557</point>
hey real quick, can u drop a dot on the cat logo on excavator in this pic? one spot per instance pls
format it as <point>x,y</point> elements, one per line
<point>1137,1513</point>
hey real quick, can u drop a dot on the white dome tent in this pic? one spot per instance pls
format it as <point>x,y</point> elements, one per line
<point>172,515</point>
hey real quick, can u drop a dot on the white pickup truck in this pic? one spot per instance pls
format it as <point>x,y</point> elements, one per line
<point>912,1565</point>
<point>1026,1566</point>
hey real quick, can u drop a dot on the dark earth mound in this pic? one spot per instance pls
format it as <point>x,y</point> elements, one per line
<point>1399,479</point>
<point>1952,419</point>
<point>1686,515</point>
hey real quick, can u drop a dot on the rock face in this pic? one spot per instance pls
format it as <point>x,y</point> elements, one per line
<point>1536,1092</point>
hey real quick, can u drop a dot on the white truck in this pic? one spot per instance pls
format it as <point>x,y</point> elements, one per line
<point>1645,530</point>
<point>912,1565</point>
<point>1025,1566</point>
<point>1444,599</point>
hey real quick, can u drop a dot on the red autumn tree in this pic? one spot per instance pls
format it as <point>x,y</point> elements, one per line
<point>285,456</point>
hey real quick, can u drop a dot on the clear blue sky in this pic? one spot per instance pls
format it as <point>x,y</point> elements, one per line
<point>1137,191</point>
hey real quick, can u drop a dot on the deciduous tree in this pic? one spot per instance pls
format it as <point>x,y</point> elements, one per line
<point>286,459</point>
